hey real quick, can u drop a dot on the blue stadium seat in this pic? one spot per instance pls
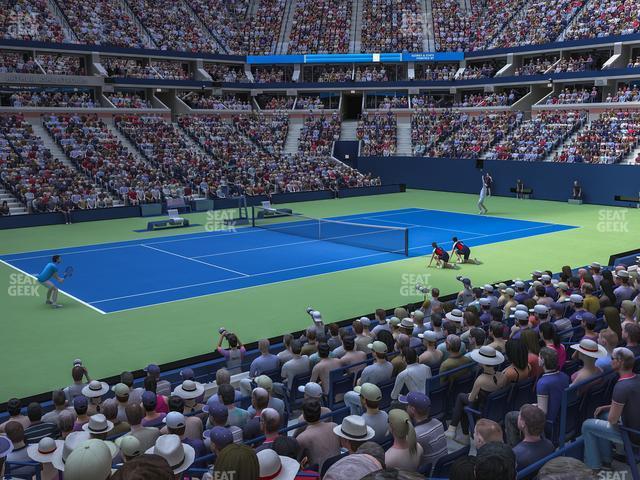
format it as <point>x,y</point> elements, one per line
<point>574,449</point>
<point>495,407</point>
<point>442,466</point>
<point>340,383</point>
<point>523,392</point>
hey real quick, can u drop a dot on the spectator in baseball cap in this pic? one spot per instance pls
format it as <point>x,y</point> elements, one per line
<point>429,432</point>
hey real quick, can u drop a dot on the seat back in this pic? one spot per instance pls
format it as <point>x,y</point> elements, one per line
<point>523,392</point>
<point>443,465</point>
<point>386,390</point>
<point>496,404</point>
<point>295,397</point>
<point>341,383</point>
<point>173,213</point>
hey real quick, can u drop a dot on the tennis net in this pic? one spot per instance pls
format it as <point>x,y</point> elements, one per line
<point>372,237</point>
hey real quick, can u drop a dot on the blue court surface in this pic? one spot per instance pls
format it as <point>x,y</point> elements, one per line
<point>121,276</point>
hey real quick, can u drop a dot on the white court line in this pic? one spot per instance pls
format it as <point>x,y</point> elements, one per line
<point>195,260</point>
<point>284,270</point>
<point>418,225</point>
<point>61,291</point>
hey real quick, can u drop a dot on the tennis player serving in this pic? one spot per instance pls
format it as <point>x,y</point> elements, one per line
<point>51,271</point>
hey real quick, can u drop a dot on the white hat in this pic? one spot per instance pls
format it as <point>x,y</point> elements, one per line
<point>418,314</point>
<point>521,315</point>
<point>485,302</point>
<point>488,287</point>
<point>540,309</point>
<point>487,355</point>
<point>95,389</point>
<point>98,424</point>
<point>316,315</point>
<point>91,459</point>
<point>189,390</point>
<point>311,389</point>
<point>454,315</point>
<point>429,336</point>
<point>596,265</point>
<point>130,446</point>
<point>518,284</point>
<point>622,274</point>
<point>365,321</point>
<point>42,452</point>
<point>276,467</point>
<point>590,348</point>
<point>407,323</point>
<point>509,291</point>
<point>519,307</point>
<point>546,278</point>
<point>575,298</point>
<point>354,428</point>
<point>72,441</point>
<point>174,420</point>
<point>178,455</point>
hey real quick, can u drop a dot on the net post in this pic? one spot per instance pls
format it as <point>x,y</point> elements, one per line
<point>406,242</point>
<point>253,215</point>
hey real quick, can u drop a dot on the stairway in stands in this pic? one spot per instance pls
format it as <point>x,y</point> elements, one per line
<point>403,135</point>
<point>293,135</point>
<point>348,130</point>
<point>15,206</point>
<point>58,154</point>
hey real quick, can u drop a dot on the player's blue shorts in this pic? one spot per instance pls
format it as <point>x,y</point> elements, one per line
<point>444,257</point>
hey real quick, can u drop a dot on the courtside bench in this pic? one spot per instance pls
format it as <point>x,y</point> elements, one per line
<point>174,221</point>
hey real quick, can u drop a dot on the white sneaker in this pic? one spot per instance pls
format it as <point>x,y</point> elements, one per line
<point>56,305</point>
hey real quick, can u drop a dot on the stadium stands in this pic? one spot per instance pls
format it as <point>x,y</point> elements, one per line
<point>321,26</point>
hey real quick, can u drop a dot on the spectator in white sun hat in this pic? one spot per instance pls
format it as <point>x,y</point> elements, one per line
<point>94,391</point>
<point>190,392</point>
<point>91,459</point>
<point>588,352</point>
<point>276,467</point>
<point>176,425</point>
<point>178,455</point>
<point>42,452</point>
<point>61,455</point>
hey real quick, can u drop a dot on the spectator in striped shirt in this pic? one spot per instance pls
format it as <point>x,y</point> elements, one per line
<point>429,431</point>
<point>38,429</point>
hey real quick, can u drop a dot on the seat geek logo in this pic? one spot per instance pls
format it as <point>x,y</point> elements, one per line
<point>615,475</point>
<point>410,282</point>
<point>612,221</point>
<point>22,286</point>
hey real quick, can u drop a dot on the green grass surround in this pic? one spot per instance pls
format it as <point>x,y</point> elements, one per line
<point>39,344</point>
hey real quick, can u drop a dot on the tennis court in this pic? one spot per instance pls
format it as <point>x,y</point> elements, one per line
<point>120,276</point>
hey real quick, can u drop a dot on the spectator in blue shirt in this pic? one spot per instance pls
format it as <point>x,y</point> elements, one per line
<point>533,447</point>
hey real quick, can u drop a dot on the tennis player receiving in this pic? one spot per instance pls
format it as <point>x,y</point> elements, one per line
<point>51,271</point>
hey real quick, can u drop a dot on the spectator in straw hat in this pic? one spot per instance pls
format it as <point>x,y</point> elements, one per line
<point>91,459</point>
<point>406,452</point>
<point>276,467</point>
<point>190,392</point>
<point>60,456</point>
<point>178,455</point>
<point>368,458</point>
<point>94,391</point>
<point>488,381</point>
<point>42,453</point>
<point>588,351</point>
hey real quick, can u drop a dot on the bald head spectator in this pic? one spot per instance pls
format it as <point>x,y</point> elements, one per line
<point>270,423</point>
<point>265,382</point>
<point>259,401</point>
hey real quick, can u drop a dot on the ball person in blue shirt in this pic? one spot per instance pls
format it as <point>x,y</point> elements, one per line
<point>51,271</point>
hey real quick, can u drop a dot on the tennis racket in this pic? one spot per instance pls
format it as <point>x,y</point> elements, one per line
<point>68,273</point>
